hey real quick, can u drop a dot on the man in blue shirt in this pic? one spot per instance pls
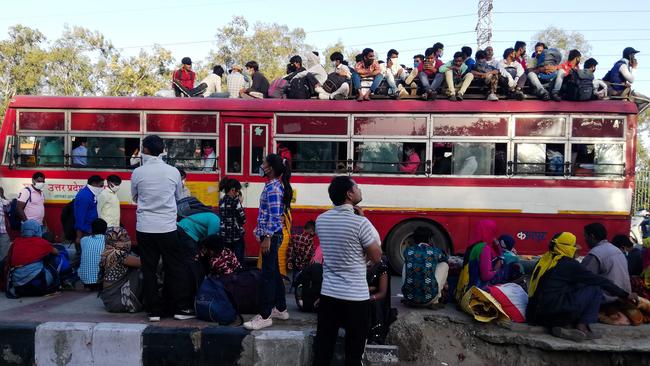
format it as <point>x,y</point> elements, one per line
<point>85,208</point>
<point>80,153</point>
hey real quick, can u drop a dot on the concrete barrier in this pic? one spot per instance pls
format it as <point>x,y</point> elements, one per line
<point>17,343</point>
<point>117,344</point>
<point>63,343</point>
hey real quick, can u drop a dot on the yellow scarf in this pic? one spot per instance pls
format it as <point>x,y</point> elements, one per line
<point>565,246</point>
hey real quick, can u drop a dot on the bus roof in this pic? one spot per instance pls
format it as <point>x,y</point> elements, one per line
<point>320,106</point>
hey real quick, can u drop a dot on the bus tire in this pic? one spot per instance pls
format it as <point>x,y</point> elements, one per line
<point>401,237</point>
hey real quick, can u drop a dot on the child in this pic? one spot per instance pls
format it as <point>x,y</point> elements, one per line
<point>232,216</point>
<point>301,248</point>
<point>91,250</point>
<point>510,257</point>
<point>216,259</point>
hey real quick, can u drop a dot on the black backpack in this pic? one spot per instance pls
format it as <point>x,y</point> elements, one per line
<point>15,223</point>
<point>189,206</point>
<point>579,85</point>
<point>68,221</point>
<point>334,82</point>
<point>299,89</point>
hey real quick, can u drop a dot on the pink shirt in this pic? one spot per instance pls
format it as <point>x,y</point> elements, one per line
<point>35,208</point>
<point>412,165</point>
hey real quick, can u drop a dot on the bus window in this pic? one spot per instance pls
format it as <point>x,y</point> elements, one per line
<point>259,148</point>
<point>597,160</point>
<point>316,156</point>
<point>539,159</point>
<point>598,127</point>
<point>191,154</point>
<point>41,121</point>
<point>389,157</point>
<point>390,126</point>
<point>40,151</point>
<point>442,152</point>
<point>540,126</point>
<point>234,143</point>
<point>469,158</point>
<point>102,152</point>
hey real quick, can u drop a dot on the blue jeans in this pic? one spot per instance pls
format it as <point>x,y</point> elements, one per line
<point>431,85</point>
<point>273,294</point>
<point>356,81</point>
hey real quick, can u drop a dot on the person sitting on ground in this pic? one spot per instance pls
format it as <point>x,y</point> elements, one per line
<point>183,78</point>
<point>341,75</point>
<point>455,72</point>
<point>633,254</point>
<point>511,260</point>
<point>469,61</point>
<point>260,86</point>
<point>600,87</point>
<point>91,250</point>
<point>513,75</point>
<point>483,260</point>
<point>301,248</point>
<point>429,72</point>
<point>28,273</point>
<point>367,68</point>
<point>423,238</point>
<point>119,274</point>
<point>486,75</point>
<point>564,295</point>
<point>236,81</point>
<point>381,316</point>
<point>411,165</point>
<point>621,77</point>
<point>573,63</point>
<point>489,57</point>
<point>216,259</point>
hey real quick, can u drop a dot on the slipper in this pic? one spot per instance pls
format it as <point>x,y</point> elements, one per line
<point>569,333</point>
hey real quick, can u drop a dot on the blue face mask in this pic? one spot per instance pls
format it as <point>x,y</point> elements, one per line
<point>416,64</point>
<point>262,172</point>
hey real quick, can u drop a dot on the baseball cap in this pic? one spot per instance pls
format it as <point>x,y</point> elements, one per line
<point>186,61</point>
<point>629,51</point>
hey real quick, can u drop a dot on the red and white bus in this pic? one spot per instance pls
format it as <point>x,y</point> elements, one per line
<point>535,167</point>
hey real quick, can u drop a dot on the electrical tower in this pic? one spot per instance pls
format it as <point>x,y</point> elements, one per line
<point>484,24</point>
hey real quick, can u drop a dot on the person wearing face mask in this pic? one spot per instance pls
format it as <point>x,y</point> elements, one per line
<point>186,191</point>
<point>412,79</point>
<point>85,208</point>
<point>208,158</point>
<point>337,85</point>
<point>31,201</point>
<point>260,86</point>
<point>368,67</point>
<point>394,74</point>
<point>108,204</point>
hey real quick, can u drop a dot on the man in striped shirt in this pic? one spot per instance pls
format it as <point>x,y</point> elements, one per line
<point>347,238</point>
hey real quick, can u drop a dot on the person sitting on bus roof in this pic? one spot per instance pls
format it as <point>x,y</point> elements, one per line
<point>296,65</point>
<point>85,208</point>
<point>572,63</point>
<point>513,75</point>
<point>394,74</point>
<point>455,72</point>
<point>183,77</point>
<point>368,68</point>
<point>213,83</point>
<point>490,59</point>
<point>315,75</point>
<point>564,295</point>
<point>412,79</point>
<point>236,81</point>
<point>428,71</point>
<point>341,75</point>
<point>520,54</point>
<point>539,48</point>
<point>413,161</point>
<point>469,61</point>
<point>260,86</point>
<point>80,153</point>
<point>621,77</point>
<point>486,74</point>
<point>600,87</point>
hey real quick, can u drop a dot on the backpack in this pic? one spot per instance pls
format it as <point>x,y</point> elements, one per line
<point>334,82</point>
<point>550,56</point>
<point>382,89</point>
<point>68,221</point>
<point>15,223</point>
<point>420,285</point>
<point>245,290</point>
<point>298,89</point>
<point>308,284</point>
<point>213,304</point>
<point>579,85</point>
<point>276,90</point>
<point>189,206</point>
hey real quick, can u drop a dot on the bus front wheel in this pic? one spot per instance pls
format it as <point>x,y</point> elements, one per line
<point>402,237</point>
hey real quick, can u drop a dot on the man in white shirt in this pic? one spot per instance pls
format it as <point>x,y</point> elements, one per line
<point>491,60</point>
<point>513,74</point>
<point>80,153</point>
<point>343,78</point>
<point>155,188</point>
<point>108,204</point>
<point>347,238</point>
<point>213,84</point>
<point>236,81</point>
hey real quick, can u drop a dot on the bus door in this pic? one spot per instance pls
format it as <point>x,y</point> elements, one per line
<point>246,142</point>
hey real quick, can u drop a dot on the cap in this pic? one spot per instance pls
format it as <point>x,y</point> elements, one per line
<point>186,61</point>
<point>237,67</point>
<point>628,51</point>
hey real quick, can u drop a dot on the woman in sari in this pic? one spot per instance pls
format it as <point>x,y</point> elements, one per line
<point>119,274</point>
<point>381,316</point>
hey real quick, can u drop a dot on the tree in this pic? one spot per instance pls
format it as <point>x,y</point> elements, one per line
<point>642,153</point>
<point>555,37</point>
<point>141,75</point>
<point>336,47</point>
<point>271,45</point>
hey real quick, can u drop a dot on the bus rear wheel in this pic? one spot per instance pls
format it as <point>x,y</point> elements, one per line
<point>402,237</point>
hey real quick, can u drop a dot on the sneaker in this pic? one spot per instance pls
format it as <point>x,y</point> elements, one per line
<point>339,97</point>
<point>453,98</point>
<point>281,315</point>
<point>459,96</point>
<point>556,97</point>
<point>258,323</point>
<point>519,95</point>
<point>433,95</point>
<point>492,97</point>
<point>569,333</point>
<point>185,314</point>
<point>424,96</point>
<point>154,318</point>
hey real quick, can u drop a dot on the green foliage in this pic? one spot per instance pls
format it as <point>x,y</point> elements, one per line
<point>555,37</point>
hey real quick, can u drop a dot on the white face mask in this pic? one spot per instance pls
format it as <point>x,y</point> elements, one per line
<point>113,188</point>
<point>395,61</point>
<point>95,190</point>
<point>39,185</point>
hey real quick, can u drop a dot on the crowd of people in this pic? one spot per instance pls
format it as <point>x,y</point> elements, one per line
<point>547,74</point>
<point>187,253</point>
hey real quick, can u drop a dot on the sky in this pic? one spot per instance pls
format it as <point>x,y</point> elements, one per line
<point>188,28</point>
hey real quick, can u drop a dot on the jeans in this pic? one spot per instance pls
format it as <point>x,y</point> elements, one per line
<point>432,85</point>
<point>354,317</point>
<point>273,294</point>
<point>177,276</point>
<point>556,81</point>
<point>5,243</point>
<point>356,81</point>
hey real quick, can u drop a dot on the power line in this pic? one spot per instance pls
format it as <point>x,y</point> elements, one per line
<point>391,23</point>
<point>412,39</point>
<point>574,12</point>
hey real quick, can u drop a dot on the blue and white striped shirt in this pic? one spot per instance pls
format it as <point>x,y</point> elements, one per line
<point>344,237</point>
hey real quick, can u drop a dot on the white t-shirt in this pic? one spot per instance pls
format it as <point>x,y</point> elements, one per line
<point>214,84</point>
<point>35,206</point>
<point>344,237</point>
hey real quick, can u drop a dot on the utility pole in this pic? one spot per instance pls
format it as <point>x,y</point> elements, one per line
<point>484,24</point>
